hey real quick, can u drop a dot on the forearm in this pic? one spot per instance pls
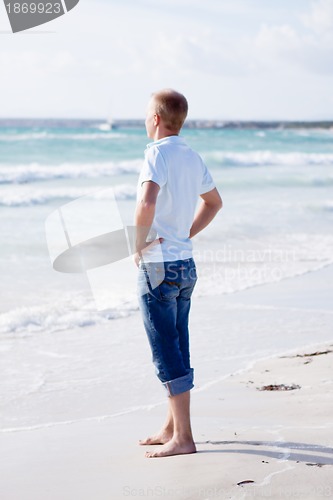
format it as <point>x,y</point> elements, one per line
<point>144,216</point>
<point>203,217</point>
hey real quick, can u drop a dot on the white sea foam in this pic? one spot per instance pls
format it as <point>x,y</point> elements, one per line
<point>254,158</point>
<point>327,206</point>
<point>68,312</point>
<point>32,136</point>
<point>224,276</point>
<point>228,268</point>
<point>36,172</point>
<point>22,137</point>
<point>27,197</point>
<point>321,206</point>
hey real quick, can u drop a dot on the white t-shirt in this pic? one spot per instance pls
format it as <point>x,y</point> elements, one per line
<point>182,177</point>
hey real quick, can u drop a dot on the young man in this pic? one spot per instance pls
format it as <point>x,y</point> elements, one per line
<point>172,179</point>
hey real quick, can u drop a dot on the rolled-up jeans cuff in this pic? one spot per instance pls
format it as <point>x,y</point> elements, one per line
<point>180,384</point>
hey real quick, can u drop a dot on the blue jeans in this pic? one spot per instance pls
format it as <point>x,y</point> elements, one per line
<point>164,293</point>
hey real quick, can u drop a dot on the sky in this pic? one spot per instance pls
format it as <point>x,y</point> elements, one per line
<point>234,60</point>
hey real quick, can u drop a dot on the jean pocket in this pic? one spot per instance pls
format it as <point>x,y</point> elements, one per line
<point>168,290</point>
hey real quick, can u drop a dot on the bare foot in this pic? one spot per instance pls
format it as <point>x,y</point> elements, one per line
<point>160,438</point>
<point>173,447</point>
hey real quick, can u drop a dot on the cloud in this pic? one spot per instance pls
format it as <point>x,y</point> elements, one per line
<point>303,47</point>
<point>320,17</point>
<point>310,50</point>
<point>204,54</point>
<point>277,39</point>
<point>34,64</point>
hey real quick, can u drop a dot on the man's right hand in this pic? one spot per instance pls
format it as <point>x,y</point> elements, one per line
<point>138,254</point>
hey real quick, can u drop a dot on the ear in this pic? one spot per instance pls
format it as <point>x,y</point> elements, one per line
<point>157,120</point>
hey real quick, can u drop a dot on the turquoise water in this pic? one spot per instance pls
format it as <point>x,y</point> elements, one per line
<point>52,146</point>
<point>276,221</point>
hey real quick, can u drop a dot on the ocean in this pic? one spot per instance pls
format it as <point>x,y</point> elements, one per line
<point>276,185</point>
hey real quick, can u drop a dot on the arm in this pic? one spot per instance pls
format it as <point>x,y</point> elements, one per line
<point>210,205</point>
<point>144,215</point>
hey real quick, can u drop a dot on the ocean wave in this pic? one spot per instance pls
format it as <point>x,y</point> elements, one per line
<point>328,206</point>
<point>324,206</point>
<point>19,174</point>
<point>251,261</point>
<point>33,136</point>
<point>40,197</point>
<point>22,137</point>
<point>64,314</point>
<point>35,172</point>
<point>224,270</point>
<point>265,158</point>
<point>79,311</point>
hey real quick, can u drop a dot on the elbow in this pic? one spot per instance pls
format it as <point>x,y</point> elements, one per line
<point>214,207</point>
<point>218,205</point>
<point>147,206</point>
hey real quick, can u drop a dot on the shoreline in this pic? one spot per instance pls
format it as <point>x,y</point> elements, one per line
<point>196,390</point>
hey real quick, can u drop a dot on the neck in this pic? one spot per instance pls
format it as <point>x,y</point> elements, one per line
<point>161,133</point>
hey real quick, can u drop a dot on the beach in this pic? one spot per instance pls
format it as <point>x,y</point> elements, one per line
<point>275,444</point>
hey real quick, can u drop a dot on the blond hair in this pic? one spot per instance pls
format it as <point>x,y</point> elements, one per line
<point>172,107</point>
